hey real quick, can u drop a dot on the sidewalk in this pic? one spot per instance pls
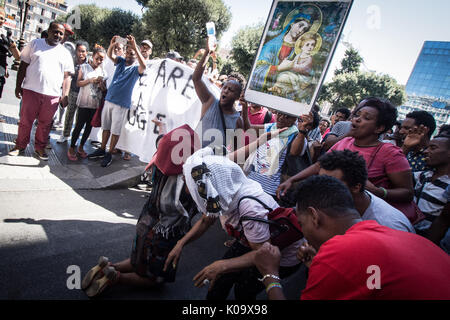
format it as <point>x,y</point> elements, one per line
<point>26,173</point>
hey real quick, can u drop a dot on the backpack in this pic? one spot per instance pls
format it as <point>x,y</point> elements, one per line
<point>283,225</point>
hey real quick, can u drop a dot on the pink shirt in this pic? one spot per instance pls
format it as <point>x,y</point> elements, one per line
<point>258,117</point>
<point>388,159</point>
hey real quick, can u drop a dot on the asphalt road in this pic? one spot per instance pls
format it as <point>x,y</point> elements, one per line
<point>44,233</point>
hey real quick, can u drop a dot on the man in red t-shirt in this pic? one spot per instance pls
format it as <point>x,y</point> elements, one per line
<point>357,259</point>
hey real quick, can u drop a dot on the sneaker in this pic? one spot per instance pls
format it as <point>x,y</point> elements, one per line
<point>62,139</point>
<point>16,152</point>
<point>99,153</point>
<point>107,159</point>
<point>41,154</point>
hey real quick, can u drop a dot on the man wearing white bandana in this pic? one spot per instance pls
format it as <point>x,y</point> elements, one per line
<point>217,184</point>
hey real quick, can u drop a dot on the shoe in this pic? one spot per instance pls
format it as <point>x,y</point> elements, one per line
<point>107,160</point>
<point>99,153</point>
<point>127,156</point>
<point>72,157</point>
<point>111,276</point>
<point>87,280</point>
<point>48,146</point>
<point>16,152</point>
<point>62,139</point>
<point>41,154</point>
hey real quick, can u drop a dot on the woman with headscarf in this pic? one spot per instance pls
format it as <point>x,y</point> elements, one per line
<point>165,218</point>
<point>217,186</point>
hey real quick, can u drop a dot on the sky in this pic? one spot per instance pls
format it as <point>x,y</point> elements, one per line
<point>388,34</point>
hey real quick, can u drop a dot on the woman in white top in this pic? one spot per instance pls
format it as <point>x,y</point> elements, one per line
<point>90,81</point>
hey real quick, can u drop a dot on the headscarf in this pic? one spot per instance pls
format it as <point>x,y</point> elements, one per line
<point>216,183</point>
<point>174,148</point>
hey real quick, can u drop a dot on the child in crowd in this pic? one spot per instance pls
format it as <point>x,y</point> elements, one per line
<point>90,80</point>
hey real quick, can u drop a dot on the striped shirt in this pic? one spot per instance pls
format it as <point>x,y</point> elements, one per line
<point>269,183</point>
<point>429,195</point>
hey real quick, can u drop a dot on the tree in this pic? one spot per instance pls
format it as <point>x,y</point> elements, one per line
<point>99,25</point>
<point>245,46</point>
<point>350,85</point>
<point>181,25</point>
<point>351,62</point>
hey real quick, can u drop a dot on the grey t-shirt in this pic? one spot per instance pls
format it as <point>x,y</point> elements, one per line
<point>386,215</point>
<point>341,128</point>
<point>210,127</point>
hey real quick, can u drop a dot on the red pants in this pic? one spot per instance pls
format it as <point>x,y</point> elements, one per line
<point>36,106</point>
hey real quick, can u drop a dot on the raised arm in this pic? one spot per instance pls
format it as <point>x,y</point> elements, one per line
<point>140,58</point>
<point>202,91</point>
<point>111,47</point>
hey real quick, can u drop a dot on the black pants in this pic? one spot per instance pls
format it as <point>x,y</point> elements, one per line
<point>246,283</point>
<point>84,118</point>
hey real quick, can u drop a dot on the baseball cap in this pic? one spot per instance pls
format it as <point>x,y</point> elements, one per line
<point>173,55</point>
<point>68,28</point>
<point>147,42</point>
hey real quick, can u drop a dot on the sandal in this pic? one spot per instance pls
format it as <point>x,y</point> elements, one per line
<point>82,154</point>
<point>72,157</point>
<point>98,286</point>
<point>102,263</point>
<point>127,156</point>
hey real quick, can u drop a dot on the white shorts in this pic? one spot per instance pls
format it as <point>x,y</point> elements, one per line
<point>113,117</point>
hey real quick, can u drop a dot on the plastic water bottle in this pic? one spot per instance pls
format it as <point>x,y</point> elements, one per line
<point>211,31</point>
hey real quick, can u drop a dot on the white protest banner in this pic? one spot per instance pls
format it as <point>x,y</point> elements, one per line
<point>166,91</point>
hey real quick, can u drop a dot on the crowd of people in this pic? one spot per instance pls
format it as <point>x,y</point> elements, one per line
<point>363,195</point>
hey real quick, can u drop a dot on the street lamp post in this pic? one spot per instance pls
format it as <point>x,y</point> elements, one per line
<point>23,21</point>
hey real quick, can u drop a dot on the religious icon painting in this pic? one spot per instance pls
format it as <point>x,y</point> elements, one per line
<point>295,51</point>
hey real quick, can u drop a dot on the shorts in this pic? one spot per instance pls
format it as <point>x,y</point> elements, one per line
<point>113,117</point>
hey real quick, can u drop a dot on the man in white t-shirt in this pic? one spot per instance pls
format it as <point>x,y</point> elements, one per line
<point>350,168</point>
<point>46,66</point>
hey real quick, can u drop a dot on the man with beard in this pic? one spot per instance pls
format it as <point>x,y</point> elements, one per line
<point>46,66</point>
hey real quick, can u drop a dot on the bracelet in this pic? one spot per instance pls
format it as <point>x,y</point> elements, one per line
<point>271,276</point>
<point>384,192</point>
<point>304,132</point>
<point>273,285</point>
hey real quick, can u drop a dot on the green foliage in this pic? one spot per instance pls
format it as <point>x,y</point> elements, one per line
<point>350,85</point>
<point>351,62</point>
<point>346,90</point>
<point>245,46</point>
<point>181,25</point>
<point>99,25</point>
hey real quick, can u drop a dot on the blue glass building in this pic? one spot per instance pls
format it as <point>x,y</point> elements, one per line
<point>428,86</point>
